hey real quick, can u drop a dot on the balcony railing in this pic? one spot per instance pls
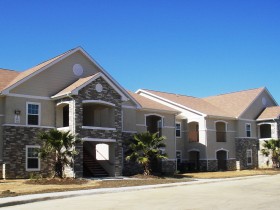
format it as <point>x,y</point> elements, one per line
<point>221,136</point>
<point>193,136</point>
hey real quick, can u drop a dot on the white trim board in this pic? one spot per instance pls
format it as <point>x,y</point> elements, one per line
<point>29,96</point>
<point>153,96</point>
<point>98,140</point>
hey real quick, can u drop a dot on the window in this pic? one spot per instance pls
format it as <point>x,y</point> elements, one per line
<point>178,130</point>
<point>249,157</point>
<point>32,158</point>
<point>265,130</point>
<point>33,113</point>
<point>248,130</point>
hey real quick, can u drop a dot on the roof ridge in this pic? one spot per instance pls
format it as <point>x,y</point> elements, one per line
<point>177,94</point>
<point>8,70</point>
<point>233,92</point>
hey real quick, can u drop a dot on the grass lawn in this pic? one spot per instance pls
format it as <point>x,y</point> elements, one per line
<point>23,186</point>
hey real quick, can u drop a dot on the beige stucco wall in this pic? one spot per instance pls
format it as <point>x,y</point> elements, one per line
<point>257,106</point>
<point>57,77</point>
<point>13,103</point>
<point>213,146</point>
<point>241,128</point>
<point>129,119</point>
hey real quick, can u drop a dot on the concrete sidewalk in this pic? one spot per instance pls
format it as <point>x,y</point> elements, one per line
<point>17,200</point>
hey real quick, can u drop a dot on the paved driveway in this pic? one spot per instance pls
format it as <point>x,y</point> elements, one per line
<point>250,193</point>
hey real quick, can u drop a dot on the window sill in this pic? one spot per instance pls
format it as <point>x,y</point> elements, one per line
<point>98,128</point>
<point>30,170</point>
<point>265,138</point>
<point>63,129</point>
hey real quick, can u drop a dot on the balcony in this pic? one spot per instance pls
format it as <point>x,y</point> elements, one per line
<point>193,136</point>
<point>98,117</point>
<point>221,136</point>
<point>193,132</point>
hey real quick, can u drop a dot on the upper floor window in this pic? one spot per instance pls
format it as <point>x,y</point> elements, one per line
<point>221,131</point>
<point>178,129</point>
<point>33,113</point>
<point>32,158</point>
<point>248,130</point>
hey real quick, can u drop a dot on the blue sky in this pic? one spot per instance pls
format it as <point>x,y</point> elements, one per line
<point>191,47</point>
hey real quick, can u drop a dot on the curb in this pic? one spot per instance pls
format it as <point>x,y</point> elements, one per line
<point>23,199</point>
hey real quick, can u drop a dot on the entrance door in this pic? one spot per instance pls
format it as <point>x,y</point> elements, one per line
<point>222,160</point>
<point>194,161</point>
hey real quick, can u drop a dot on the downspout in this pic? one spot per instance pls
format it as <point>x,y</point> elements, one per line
<point>73,126</point>
<point>206,153</point>
<point>175,141</point>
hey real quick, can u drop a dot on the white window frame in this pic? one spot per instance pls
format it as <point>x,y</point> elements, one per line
<point>248,130</point>
<point>179,123</point>
<point>251,155</point>
<point>26,158</point>
<point>39,112</point>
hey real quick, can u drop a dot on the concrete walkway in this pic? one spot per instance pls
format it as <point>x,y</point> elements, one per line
<point>17,200</point>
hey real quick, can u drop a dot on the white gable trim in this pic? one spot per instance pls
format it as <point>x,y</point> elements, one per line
<point>170,102</point>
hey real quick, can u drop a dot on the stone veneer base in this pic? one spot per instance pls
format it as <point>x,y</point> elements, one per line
<point>16,138</point>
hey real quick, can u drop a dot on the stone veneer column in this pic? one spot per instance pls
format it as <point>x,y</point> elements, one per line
<point>108,94</point>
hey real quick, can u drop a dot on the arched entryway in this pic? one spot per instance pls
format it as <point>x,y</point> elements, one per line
<point>194,160</point>
<point>222,160</point>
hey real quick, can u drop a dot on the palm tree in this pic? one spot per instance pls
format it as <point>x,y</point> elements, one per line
<point>62,144</point>
<point>272,148</point>
<point>145,147</point>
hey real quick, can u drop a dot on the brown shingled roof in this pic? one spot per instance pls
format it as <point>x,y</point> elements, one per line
<point>196,104</point>
<point>150,104</point>
<point>6,76</point>
<point>73,86</point>
<point>226,105</point>
<point>234,103</point>
<point>272,112</point>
